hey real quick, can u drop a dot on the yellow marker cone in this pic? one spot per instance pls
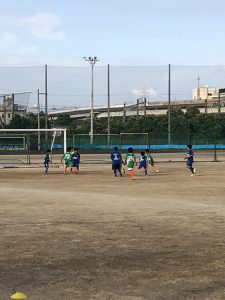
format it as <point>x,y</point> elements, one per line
<point>19,296</point>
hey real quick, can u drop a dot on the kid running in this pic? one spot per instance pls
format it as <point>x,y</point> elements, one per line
<point>190,159</point>
<point>130,160</point>
<point>75,157</point>
<point>47,160</point>
<point>143,162</point>
<point>150,161</point>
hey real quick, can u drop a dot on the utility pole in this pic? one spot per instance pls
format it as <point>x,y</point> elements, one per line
<point>169,105</point>
<point>92,61</point>
<point>38,119</point>
<point>46,104</point>
<point>108,127</point>
<point>198,90</point>
<point>145,106</point>
<point>138,108</point>
<point>124,111</point>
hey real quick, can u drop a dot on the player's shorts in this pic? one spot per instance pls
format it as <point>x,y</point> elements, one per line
<point>67,164</point>
<point>142,165</point>
<point>116,166</point>
<point>46,164</point>
<point>75,165</point>
<point>190,163</point>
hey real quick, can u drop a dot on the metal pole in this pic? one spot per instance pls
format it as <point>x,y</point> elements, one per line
<point>46,104</point>
<point>108,127</point>
<point>124,111</point>
<point>169,106</point>
<point>145,102</point>
<point>138,108</point>
<point>92,104</point>
<point>198,90</point>
<point>64,136</point>
<point>219,106</point>
<point>13,102</point>
<point>92,61</point>
<point>38,116</point>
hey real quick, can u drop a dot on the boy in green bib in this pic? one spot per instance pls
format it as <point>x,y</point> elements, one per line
<point>67,157</point>
<point>130,161</point>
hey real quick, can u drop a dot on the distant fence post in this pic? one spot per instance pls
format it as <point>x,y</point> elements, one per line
<point>215,153</point>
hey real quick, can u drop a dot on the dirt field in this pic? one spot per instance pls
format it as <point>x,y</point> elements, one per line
<point>93,236</point>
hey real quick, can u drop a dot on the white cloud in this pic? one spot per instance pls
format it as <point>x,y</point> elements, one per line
<point>10,45</point>
<point>150,92</point>
<point>43,25</point>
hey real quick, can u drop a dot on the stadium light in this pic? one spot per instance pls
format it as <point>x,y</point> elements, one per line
<point>92,61</point>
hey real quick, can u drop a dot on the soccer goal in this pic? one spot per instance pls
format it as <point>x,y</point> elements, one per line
<point>100,141</point>
<point>20,142</point>
<point>134,140</point>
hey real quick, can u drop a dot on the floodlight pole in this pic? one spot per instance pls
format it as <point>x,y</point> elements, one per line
<point>92,61</point>
<point>169,105</point>
<point>46,104</point>
<point>38,117</point>
<point>108,127</point>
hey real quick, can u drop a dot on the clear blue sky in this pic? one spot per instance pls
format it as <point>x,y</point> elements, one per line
<point>119,32</point>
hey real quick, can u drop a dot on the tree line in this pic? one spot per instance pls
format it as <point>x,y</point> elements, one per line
<point>190,126</point>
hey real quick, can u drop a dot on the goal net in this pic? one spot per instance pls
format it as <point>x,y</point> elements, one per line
<point>134,140</point>
<point>29,145</point>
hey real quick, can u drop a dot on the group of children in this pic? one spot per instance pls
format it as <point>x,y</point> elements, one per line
<point>146,161</point>
<point>72,161</point>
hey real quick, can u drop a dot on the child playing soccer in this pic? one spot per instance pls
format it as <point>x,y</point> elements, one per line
<point>75,158</point>
<point>190,159</point>
<point>150,161</point>
<point>130,161</point>
<point>47,160</point>
<point>143,162</point>
<point>67,159</point>
<point>116,158</point>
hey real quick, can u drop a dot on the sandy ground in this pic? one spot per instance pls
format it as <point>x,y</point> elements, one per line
<point>93,236</point>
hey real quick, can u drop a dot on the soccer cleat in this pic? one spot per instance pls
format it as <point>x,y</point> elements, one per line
<point>192,174</point>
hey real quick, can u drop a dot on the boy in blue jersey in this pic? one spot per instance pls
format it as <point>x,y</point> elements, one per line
<point>190,159</point>
<point>143,162</point>
<point>75,158</point>
<point>116,158</point>
<point>47,160</point>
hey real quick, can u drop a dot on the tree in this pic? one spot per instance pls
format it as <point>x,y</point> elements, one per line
<point>63,120</point>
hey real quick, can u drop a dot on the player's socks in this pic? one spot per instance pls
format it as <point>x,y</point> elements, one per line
<point>192,170</point>
<point>130,174</point>
<point>114,171</point>
<point>155,168</point>
<point>146,173</point>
